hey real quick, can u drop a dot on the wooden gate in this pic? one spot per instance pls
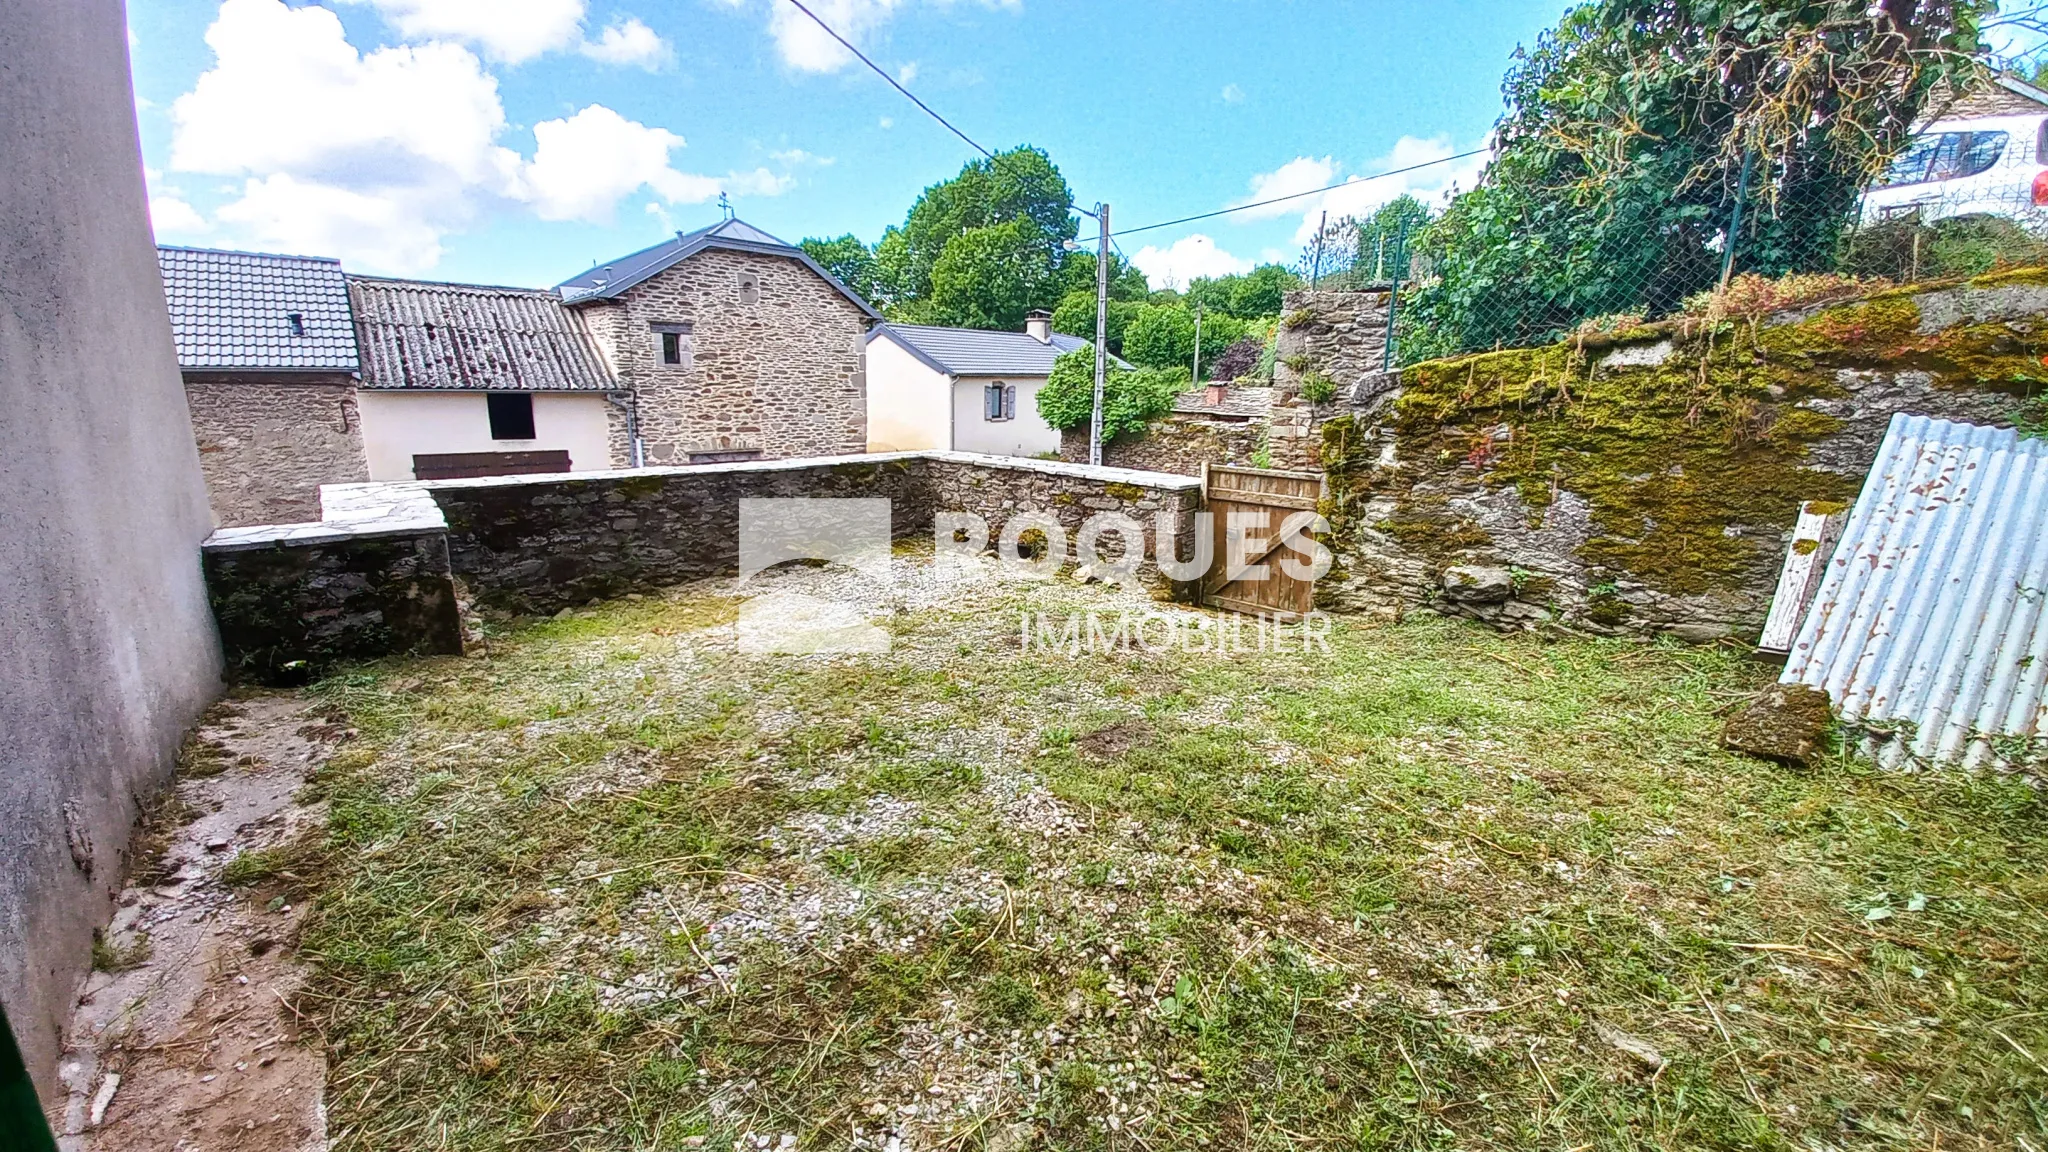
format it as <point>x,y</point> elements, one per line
<point>1269,497</point>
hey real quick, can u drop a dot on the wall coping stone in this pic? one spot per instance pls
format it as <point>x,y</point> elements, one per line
<point>1170,481</point>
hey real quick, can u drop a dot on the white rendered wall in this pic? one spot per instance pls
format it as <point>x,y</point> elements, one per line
<point>907,406</point>
<point>1026,435</point>
<point>400,425</point>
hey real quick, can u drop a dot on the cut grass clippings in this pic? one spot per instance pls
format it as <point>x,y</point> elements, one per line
<point>616,886</point>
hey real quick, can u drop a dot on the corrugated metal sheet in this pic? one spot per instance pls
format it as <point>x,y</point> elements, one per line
<point>1929,621</point>
<point>463,337</point>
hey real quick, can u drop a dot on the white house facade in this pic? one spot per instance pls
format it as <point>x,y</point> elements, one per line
<point>962,389</point>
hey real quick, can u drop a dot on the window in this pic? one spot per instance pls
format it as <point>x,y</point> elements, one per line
<point>672,345</point>
<point>511,415</point>
<point>297,322</point>
<point>1946,156</point>
<point>999,401</point>
<point>750,288</point>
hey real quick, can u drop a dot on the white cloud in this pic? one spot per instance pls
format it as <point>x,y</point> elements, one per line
<point>888,122</point>
<point>1232,94</point>
<point>508,30</point>
<point>377,157</point>
<point>907,74</point>
<point>1186,259</point>
<point>1359,195</point>
<point>808,48</point>
<point>284,214</point>
<point>172,216</point>
<point>629,42</point>
<point>797,157</point>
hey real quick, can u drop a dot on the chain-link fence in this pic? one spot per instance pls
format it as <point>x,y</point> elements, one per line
<point>1955,203</point>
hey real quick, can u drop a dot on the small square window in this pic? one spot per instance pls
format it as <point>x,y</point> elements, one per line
<point>672,345</point>
<point>511,415</point>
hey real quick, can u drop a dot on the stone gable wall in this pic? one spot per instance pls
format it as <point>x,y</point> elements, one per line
<point>266,446</point>
<point>785,374</point>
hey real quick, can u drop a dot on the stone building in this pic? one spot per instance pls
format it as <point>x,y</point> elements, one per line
<point>733,344</point>
<point>268,353</point>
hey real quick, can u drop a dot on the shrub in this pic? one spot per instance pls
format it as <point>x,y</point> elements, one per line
<point>1131,398</point>
<point>1751,297</point>
<point>1239,360</point>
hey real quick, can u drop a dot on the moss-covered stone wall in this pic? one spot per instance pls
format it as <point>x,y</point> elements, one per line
<point>1647,481</point>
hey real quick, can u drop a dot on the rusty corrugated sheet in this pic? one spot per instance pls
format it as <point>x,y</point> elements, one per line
<point>1929,622</point>
<point>461,337</point>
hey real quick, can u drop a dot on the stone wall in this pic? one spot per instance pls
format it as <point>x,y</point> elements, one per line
<point>376,577</point>
<point>103,621</point>
<point>1649,484</point>
<point>543,546</point>
<point>784,374</point>
<point>1181,443</point>
<point>292,606</point>
<point>267,444</point>
<point>997,488</point>
<point>1339,339</point>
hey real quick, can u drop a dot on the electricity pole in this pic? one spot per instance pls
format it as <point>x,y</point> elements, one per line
<point>1195,380</point>
<point>1101,332</point>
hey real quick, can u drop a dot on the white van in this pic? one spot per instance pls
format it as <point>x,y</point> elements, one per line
<point>1990,166</point>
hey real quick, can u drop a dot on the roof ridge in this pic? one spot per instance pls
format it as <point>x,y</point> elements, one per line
<point>549,293</point>
<point>334,260</point>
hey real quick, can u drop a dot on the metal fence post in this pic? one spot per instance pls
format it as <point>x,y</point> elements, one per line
<point>1735,220</point>
<point>1394,293</point>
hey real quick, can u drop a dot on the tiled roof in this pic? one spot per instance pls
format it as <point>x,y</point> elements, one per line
<point>974,352</point>
<point>416,334</point>
<point>610,279</point>
<point>233,310</point>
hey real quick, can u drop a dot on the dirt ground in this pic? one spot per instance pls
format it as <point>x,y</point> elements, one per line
<point>192,1042</point>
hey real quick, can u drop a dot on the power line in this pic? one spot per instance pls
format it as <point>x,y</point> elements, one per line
<point>928,110</point>
<point>879,71</point>
<point>1299,195</point>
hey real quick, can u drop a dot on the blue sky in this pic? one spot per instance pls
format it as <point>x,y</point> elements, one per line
<point>517,141</point>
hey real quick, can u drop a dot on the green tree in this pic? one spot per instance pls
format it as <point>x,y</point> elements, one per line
<point>1163,336</point>
<point>1247,296</point>
<point>1628,126</point>
<point>849,260</point>
<point>1387,239</point>
<point>1020,191</point>
<point>1131,398</point>
<point>1075,316</point>
<point>982,281</point>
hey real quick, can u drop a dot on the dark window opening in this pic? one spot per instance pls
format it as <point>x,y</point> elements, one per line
<point>511,416</point>
<point>999,401</point>
<point>297,320</point>
<point>671,347</point>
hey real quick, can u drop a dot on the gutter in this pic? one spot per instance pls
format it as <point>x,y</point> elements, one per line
<point>635,457</point>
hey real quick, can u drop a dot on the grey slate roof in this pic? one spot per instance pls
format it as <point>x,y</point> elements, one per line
<point>614,277</point>
<point>232,310</point>
<point>974,352</point>
<point>416,334</point>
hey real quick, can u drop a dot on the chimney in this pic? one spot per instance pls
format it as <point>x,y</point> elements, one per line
<point>1213,396</point>
<point>1038,325</point>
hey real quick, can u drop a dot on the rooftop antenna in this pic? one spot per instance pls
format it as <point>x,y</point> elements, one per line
<point>725,205</point>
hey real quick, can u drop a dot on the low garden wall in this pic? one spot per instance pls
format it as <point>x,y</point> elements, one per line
<point>379,576</point>
<point>1647,481</point>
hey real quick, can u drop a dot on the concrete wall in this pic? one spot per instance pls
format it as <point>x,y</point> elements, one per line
<point>103,617</point>
<point>1025,435</point>
<point>400,425</point>
<point>267,445</point>
<point>908,401</point>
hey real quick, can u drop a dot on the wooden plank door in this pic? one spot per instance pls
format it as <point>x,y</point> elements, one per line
<point>1267,497</point>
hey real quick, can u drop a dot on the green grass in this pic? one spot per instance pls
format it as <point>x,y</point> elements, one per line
<point>1397,896</point>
